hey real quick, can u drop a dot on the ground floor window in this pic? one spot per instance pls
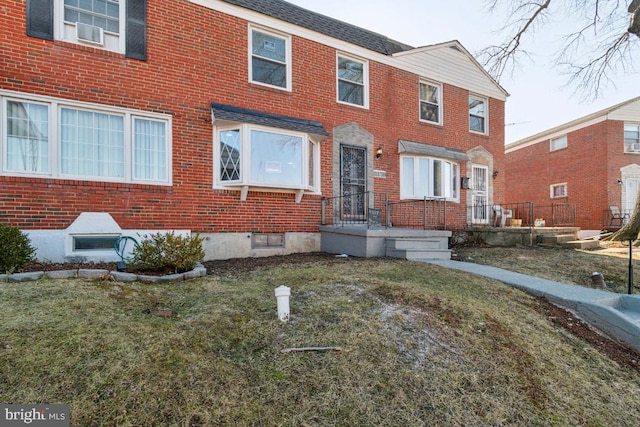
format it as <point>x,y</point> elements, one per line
<point>429,177</point>
<point>48,137</point>
<point>266,157</point>
<point>558,190</point>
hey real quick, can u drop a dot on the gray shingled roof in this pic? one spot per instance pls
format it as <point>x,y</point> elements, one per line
<point>323,24</point>
<point>243,115</point>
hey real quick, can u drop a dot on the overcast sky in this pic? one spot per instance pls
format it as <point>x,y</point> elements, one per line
<point>539,98</point>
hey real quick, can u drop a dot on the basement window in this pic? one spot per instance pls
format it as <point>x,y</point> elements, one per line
<point>94,243</point>
<point>267,240</point>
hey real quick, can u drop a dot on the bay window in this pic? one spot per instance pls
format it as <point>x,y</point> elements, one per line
<point>258,156</point>
<point>429,177</point>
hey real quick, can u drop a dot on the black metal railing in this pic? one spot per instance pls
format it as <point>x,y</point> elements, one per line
<point>366,209</point>
<point>523,214</point>
<point>556,215</point>
<point>424,214</point>
<point>375,210</point>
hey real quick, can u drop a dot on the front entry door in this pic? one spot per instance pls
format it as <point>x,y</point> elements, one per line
<point>353,182</point>
<point>480,199</point>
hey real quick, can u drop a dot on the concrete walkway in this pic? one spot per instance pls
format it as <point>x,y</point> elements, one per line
<point>618,315</point>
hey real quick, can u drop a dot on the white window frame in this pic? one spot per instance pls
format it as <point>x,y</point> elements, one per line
<point>558,143</point>
<point>634,147</point>
<point>552,188</point>
<point>244,177</point>
<point>288,58</point>
<point>55,106</point>
<point>421,101</point>
<point>453,179</point>
<point>484,100</point>
<point>67,31</point>
<point>365,79</point>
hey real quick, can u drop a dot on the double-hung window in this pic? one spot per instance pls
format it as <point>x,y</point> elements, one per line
<point>257,156</point>
<point>631,138</point>
<point>430,103</point>
<point>429,177</point>
<point>114,25</point>
<point>477,114</point>
<point>269,61</point>
<point>47,137</point>
<point>353,81</point>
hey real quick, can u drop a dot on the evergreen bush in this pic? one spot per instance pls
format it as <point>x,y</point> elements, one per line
<point>168,252</point>
<point>15,249</point>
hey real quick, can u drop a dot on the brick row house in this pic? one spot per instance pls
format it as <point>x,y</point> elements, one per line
<point>591,163</point>
<point>231,119</point>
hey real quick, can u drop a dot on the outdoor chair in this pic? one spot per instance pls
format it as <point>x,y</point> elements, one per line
<point>617,218</point>
<point>500,216</point>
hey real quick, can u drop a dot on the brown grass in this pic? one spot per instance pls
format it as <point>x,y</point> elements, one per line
<point>420,345</point>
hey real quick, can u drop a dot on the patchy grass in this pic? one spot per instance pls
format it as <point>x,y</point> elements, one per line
<point>420,345</point>
<point>561,264</point>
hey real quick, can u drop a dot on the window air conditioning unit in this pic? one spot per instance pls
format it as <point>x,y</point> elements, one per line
<point>90,33</point>
<point>634,147</point>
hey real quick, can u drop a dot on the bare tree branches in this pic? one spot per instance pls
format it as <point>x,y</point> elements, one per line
<point>598,42</point>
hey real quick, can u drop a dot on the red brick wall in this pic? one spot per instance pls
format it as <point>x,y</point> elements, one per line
<point>195,57</point>
<point>590,165</point>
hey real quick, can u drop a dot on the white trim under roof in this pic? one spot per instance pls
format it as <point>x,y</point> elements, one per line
<point>391,60</point>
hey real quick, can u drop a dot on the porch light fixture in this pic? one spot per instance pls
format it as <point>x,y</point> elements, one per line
<point>495,173</point>
<point>619,182</point>
<point>379,153</point>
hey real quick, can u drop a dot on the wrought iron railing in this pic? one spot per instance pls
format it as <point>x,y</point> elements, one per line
<point>366,209</point>
<point>375,210</point>
<point>557,215</point>
<point>425,214</point>
<point>523,214</point>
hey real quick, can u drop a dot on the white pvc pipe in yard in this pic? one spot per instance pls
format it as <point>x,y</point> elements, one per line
<point>282,297</point>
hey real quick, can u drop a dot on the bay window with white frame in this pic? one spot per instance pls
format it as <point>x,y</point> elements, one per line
<point>48,137</point>
<point>428,177</point>
<point>264,157</point>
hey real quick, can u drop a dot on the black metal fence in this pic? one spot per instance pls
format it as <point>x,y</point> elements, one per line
<point>375,210</point>
<point>523,214</point>
<point>425,214</point>
<point>366,208</point>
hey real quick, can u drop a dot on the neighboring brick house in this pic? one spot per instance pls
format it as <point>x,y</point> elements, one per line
<point>232,119</point>
<point>592,162</point>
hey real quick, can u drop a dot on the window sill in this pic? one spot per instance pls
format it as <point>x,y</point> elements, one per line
<point>245,189</point>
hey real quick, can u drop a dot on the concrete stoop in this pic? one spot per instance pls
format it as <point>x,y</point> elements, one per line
<point>416,248</point>
<point>581,244</point>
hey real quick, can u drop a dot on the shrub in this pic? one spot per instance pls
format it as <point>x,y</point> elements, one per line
<point>167,252</point>
<point>15,249</point>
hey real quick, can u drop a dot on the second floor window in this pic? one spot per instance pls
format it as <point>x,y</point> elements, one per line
<point>430,103</point>
<point>352,81</point>
<point>632,138</point>
<point>270,63</point>
<point>477,114</point>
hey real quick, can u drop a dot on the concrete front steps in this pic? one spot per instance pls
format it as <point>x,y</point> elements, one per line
<point>418,248</point>
<point>569,240</point>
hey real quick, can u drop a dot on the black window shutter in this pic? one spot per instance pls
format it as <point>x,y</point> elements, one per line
<point>136,31</point>
<point>40,19</point>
